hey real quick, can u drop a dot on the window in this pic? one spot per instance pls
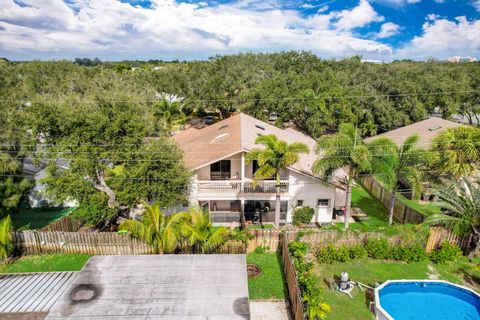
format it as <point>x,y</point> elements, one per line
<point>220,170</point>
<point>299,203</point>
<point>323,202</point>
<point>254,166</point>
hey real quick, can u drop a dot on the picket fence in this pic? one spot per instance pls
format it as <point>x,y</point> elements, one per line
<point>439,235</point>
<point>65,224</point>
<point>401,213</point>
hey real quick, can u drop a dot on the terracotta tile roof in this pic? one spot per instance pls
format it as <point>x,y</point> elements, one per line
<point>426,129</point>
<point>233,135</point>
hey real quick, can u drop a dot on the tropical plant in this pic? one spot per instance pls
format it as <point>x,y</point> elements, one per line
<point>200,234</point>
<point>398,164</point>
<point>315,308</point>
<point>6,244</point>
<point>460,201</point>
<point>343,149</point>
<point>272,159</point>
<point>170,112</point>
<point>457,152</point>
<point>158,230</point>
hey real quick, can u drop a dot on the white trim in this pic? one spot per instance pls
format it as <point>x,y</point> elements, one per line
<point>215,160</point>
<point>379,307</point>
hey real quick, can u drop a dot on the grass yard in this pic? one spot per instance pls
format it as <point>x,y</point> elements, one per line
<point>46,263</point>
<point>376,212</point>
<point>38,218</point>
<point>369,272</point>
<point>427,209</point>
<point>270,284</point>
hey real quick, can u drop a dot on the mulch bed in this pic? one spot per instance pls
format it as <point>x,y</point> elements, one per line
<point>253,270</point>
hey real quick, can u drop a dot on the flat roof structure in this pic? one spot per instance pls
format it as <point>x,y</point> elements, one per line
<point>157,287</point>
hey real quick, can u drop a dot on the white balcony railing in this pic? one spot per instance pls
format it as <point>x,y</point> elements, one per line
<point>240,186</point>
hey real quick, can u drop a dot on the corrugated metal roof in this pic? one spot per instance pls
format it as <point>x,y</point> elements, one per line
<point>32,292</point>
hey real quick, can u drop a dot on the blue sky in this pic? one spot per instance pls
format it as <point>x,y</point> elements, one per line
<point>169,29</point>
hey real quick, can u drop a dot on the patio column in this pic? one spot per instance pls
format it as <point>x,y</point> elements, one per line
<point>242,172</point>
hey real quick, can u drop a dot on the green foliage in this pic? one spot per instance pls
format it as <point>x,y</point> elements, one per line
<point>447,252</point>
<point>160,231</point>
<point>411,253</point>
<point>298,248</point>
<point>377,248</point>
<point>200,234</point>
<point>270,284</point>
<point>457,152</point>
<point>358,251</point>
<point>261,249</point>
<point>303,215</point>
<point>6,244</point>
<point>316,309</point>
<point>94,211</point>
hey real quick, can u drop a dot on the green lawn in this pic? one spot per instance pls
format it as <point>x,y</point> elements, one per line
<point>270,283</point>
<point>46,263</point>
<point>427,209</point>
<point>38,218</point>
<point>369,272</point>
<point>376,212</point>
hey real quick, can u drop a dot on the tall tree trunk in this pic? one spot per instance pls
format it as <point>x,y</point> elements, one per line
<point>277,201</point>
<point>391,207</point>
<point>103,187</point>
<point>477,244</point>
<point>348,203</point>
<point>242,216</point>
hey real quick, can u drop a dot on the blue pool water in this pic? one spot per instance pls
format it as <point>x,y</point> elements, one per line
<point>429,301</point>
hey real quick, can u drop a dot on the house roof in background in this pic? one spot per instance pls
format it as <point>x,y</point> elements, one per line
<point>426,129</point>
<point>236,134</point>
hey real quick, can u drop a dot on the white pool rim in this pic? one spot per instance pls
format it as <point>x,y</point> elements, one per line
<point>381,314</point>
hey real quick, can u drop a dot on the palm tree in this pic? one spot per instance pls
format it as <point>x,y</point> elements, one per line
<point>458,151</point>
<point>397,165</point>
<point>200,233</point>
<point>274,157</point>
<point>160,231</point>
<point>316,309</point>
<point>6,245</point>
<point>343,149</point>
<point>170,112</point>
<point>461,203</point>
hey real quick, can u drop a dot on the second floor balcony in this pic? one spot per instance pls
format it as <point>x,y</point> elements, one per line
<point>241,186</point>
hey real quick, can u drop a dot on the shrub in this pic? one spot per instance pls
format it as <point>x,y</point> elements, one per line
<point>327,254</point>
<point>343,254</point>
<point>377,248</point>
<point>358,251</point>
<point>411,253</point>
<point>6,244</point>
<point>261,249</point>
<point>302,215</point>
<point>298,249</point>
<point>446,252</point>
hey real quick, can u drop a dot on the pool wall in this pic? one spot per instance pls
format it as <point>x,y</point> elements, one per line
<point>381,314</point>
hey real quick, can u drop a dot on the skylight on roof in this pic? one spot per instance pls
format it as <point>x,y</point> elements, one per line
<point>435,128</point>
<point>223,127</point>
<point>220,137</point>
<point>260,127</point>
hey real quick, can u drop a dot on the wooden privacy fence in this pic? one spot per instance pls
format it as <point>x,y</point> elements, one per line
<point>100,243</point>
<point>401,213</point>
<point>294,293</point>
<point>65,224</point>
<point>439,235</point>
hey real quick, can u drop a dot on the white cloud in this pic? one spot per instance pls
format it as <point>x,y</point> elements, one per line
<point>388,29</point>
<point>359,16</point>
<point>476,4</point>
<point>442,38</point>
<point>398,3</point>
<point>111,28</point>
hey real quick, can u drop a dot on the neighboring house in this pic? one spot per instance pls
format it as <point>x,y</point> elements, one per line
<point>426,129</point>
<point>37,197</point>
<point>223,184</point>
<point>458,59</point>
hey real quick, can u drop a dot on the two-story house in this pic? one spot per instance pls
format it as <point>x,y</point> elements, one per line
<point>222,181</point>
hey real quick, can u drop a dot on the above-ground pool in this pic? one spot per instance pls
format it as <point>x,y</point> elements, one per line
<point>423,299</point>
